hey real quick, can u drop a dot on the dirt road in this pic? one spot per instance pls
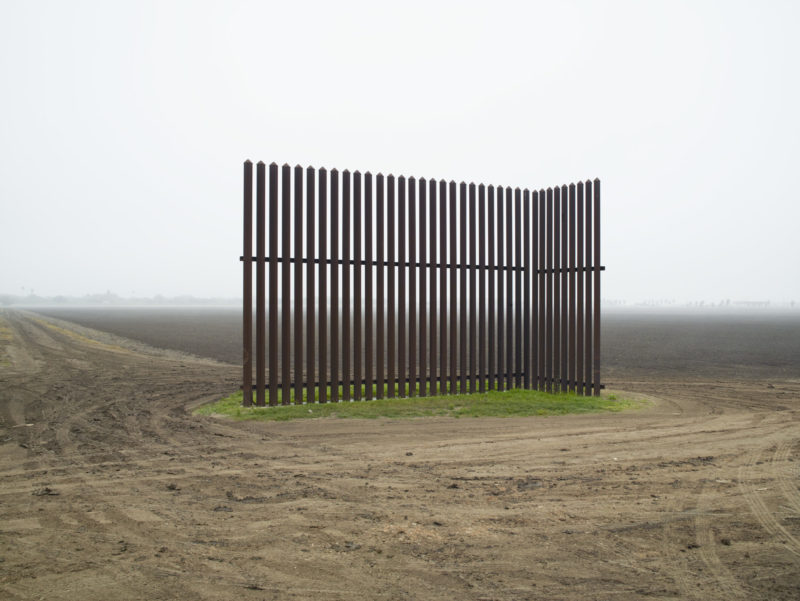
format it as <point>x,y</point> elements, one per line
<point>111,489</point>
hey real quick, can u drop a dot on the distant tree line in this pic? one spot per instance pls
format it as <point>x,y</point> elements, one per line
<point>109,299</point>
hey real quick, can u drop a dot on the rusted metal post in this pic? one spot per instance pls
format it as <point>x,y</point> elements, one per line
<point>510,271</point>
<point>346,270</point>
<point>299,382</point>
<point>597,268</point>
<point>391,318</point>
<point>482,274</point>
<point>473,283</point>
<point>311,377</point>
<point>443,300</point>
<point>286,286</point>
<point>533,268</point>
<point>492,274</point>
<point>556,243</point>
<point>413,310</point>
<point>247,289</point>
<point>549,317</point>
<point>369,302</point>
<point>422,307</point>
<point>322,316</point>
<point>542,333</point>
<point>589,330</point>
<point>520,329</point>
<point>380,228</point>
<point>563,280</point>
<point>401,287</point>
<point>334,302</point>
<point>527,333</point>
<point>572,268</point>
<point>273,287</point>
<point>434,305</point>
<point>462,289</point>
<point>260,278</point>
<point>453,289</point>
<point>502,274</point>
<point>358,341</point>
<point>580,374</point>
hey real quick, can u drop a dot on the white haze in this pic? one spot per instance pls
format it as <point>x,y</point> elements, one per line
<point>124,126</point>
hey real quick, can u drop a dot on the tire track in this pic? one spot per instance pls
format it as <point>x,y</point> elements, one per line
<point>781,467</point>
<point>707,543</point>
<point>748,476</point>
<point>678,562</point>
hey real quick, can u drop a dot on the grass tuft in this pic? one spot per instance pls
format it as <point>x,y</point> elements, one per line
<point>508,403</point>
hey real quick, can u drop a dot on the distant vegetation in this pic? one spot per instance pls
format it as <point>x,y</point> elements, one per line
<point>109,299</point>
<point>509,403</point>
<point>700,304</point>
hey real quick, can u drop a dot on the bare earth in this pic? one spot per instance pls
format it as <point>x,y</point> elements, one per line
<point>111,489</point>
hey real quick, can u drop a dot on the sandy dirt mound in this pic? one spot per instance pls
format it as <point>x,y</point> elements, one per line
<point>111,489</point>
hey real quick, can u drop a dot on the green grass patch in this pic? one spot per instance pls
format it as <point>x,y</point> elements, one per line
<point>508,403</point>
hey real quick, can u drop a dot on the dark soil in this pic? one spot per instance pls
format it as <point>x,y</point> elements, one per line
<point>112,489</point>
<point>645,344</point>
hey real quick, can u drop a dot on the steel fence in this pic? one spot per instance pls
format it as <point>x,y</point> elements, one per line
<point>382,286</point>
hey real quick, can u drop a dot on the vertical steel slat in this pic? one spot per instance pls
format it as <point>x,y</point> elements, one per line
<point>482,274</point>
<point>358,342</point>
<point>536,293</point>
<point>369,301</point>
<point>563,285</point>
<point>510,270</point>
<point>556,289</point>
<point>509,239</point>
<point>322,214</point>
<point>346,270</point>
<point>311,377</point>
<point>462,293</point>
<point>473,283</point>
<point>579,335</point>
<point>412,286</point>
<point>274,220</point>
<point>380,307</point>
<point>401,286</point>
<point>299,382</point>
<point>542,339</point>
<point>286,285</point>
<point>391,319</point>
<point>443,301</point>
<point>261,317</point>
<point>247,288</point>
<point>493,276</point>
<point>549,318</point>
<point>453,327</point>
<point>519,329</point>
<point>502,274</point>
<point>434,306</point>
<point>526,266</point>
<point>572,340</point>
<point>587,366</point>
<point>334,302</point>
<point>508,335</point>
<point>422,306</point>
<point>596,273</point>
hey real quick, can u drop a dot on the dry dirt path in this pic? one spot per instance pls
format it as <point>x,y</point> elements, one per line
<point>111,489</point>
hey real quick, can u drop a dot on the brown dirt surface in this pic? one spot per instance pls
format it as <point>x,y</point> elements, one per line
<point>112,489</point>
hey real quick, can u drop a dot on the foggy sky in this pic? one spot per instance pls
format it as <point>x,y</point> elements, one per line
<point>125,124</point>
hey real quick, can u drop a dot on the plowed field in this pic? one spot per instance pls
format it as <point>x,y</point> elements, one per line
<point>111,489</point>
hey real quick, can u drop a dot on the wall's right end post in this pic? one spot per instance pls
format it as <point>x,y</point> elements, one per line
<point>597,269</point>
